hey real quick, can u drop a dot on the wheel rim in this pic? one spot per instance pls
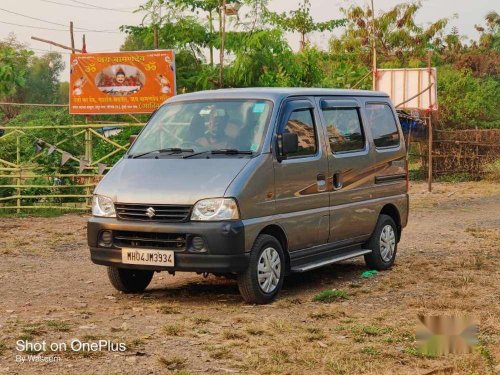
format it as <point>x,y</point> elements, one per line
<point>269,270</point>
<point>387,243</point>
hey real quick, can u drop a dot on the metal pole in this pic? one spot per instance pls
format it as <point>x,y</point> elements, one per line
<point>429,177</point>
<point>374,51</point>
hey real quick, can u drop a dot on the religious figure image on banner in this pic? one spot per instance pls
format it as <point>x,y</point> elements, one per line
<point>120,80</point>
<point>78,86</point>
<point>166,87</point>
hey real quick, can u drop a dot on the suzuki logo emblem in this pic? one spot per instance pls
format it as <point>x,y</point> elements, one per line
<point>150,212</point>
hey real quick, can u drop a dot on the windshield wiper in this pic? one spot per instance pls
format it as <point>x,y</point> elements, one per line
<point>222,151</point>
<point>173,150</point>
<point>231,151</point>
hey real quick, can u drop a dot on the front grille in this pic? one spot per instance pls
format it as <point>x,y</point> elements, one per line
<point>164,212</point>
<point>168,241</point>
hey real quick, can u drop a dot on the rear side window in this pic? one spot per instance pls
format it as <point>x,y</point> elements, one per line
<point>383,125</point>
<point>301,122</point>
<point>344,129</point>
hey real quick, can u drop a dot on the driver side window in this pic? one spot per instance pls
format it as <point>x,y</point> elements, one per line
<point>301,122</point>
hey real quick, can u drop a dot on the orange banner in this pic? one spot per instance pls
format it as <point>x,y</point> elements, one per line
<point>121,82</point>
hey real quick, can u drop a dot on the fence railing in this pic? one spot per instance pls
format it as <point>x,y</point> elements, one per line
<point>57,166</point>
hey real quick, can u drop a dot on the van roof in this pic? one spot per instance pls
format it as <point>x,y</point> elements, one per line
<point>272,93</point>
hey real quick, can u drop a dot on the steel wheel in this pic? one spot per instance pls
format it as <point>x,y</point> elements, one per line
<point>269,270</point>
<point>387,243</point>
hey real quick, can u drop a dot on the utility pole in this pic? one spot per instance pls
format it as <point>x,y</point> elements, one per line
<point>374,51</point>
<point>72,35</point>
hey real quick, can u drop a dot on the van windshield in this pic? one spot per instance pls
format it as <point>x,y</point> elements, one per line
<point>204,126</point>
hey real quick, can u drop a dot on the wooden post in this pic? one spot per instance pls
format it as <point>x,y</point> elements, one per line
<point>429,176</point>
<point>211,28</point>
<point>55,44</point>
<point>18,180</point>
<point>88,158</point>
<point>155,36</point>
<point>72,36</point>
<point>222,26</point>
<point>374,51</point>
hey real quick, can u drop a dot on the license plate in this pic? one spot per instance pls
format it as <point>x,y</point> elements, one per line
<point>148,257</point>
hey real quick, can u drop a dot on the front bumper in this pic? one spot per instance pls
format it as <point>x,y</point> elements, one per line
<point>224,244</point>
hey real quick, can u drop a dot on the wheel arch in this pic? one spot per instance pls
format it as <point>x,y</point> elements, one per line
<point>277,232</point>
<point>392,211</point>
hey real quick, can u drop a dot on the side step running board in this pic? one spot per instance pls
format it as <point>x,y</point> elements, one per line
<point>334,259</point>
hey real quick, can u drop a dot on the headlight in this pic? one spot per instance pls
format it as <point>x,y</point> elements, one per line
<point>103,206</point>
<point>215,209</point>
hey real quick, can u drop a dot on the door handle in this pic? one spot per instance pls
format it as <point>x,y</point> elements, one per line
<point>321,182</point>
<point>337,181</point>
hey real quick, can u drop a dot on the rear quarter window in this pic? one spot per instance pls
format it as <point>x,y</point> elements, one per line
<point>382,124</point>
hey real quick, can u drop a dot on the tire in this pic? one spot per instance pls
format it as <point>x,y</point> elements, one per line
<point>383,243</point>
<point>265,249</point>
<point>129,280</point>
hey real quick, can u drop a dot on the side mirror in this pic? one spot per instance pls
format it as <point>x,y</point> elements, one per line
<point>288,143</point>
<point>132,139</point>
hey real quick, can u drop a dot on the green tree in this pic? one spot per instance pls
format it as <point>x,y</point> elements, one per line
<point>301,21</point>
<point>14,59</point>
<point>42,81</point>
<point>400,41</point>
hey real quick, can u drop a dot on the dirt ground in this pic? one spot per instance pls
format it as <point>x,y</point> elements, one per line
<point>448,263</point>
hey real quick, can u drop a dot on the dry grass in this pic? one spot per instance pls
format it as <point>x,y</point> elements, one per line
<point>447,263</point>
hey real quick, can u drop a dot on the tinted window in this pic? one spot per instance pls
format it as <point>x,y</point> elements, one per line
<point>383,125</point>
<point>301,123</point>
<point>344,129</point>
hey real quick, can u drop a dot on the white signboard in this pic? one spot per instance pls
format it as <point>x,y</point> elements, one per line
<point>405,85</point>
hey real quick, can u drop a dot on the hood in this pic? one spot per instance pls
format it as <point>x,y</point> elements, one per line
<point>169,181</point>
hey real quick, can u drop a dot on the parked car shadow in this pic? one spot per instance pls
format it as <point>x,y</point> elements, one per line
<point>215,289</point>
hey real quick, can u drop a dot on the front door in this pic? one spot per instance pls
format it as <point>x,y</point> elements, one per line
<point>302,199</point>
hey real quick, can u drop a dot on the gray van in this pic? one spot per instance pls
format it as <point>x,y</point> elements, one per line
<point>255,184</point>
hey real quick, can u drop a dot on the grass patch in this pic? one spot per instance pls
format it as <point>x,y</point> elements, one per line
<point>320,315</point>
<point>455,177</point>
<point>201,320</point>
<point>370,350</point>
<point>38,212</point>
<point>411,350</point>
<point>3,347</point>
<point>254,331</point>
<point>169,309</point>
<point>280,356</point>
<point>59,325</point>
<point>25,337</point>
<point>137,342</point>
<point>375,330</point>
<point>173,363</point>
<point>34,329</point>
<point>172,330</point>
<point>315,334</point>
<point>331,295</point>
<point>218,352</point>
<point>233,335</point>
<point>487,356</point>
